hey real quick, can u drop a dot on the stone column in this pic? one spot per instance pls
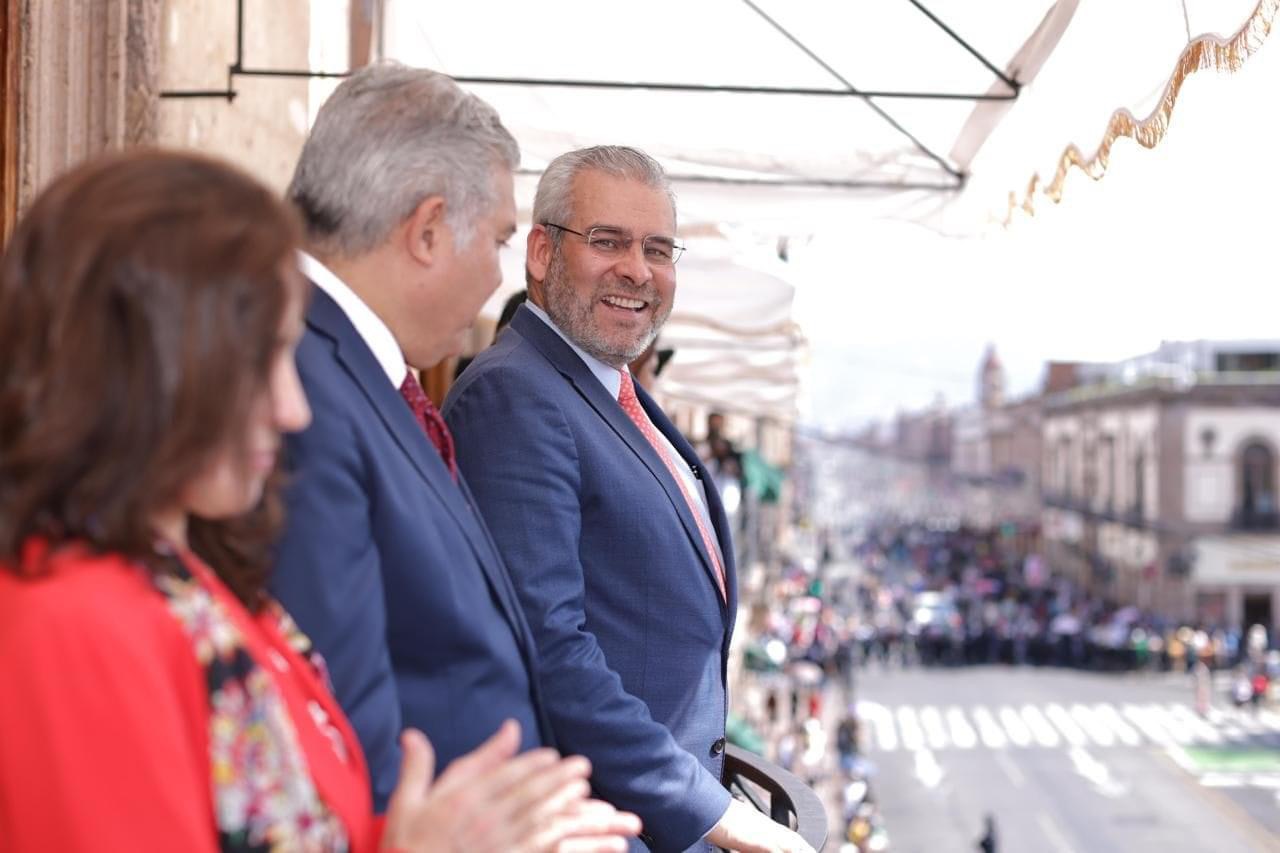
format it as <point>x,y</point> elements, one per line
<point>89,83</point>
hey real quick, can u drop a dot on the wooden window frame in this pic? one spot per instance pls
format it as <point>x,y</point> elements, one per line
<point>10,69</point>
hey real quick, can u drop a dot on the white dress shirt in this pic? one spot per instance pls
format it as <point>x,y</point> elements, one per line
<point>368,325</point>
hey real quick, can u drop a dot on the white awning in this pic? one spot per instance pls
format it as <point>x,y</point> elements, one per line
<point>778,163</point>
<point>861,172</point>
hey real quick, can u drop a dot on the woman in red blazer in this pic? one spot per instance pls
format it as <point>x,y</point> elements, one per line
<point>152,696</point>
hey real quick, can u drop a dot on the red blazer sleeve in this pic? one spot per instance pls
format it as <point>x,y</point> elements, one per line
<point>103,718</point>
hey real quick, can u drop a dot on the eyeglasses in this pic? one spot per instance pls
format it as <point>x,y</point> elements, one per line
<point>613,243</point>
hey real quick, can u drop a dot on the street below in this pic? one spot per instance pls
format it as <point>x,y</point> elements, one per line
<point>1064,761</point>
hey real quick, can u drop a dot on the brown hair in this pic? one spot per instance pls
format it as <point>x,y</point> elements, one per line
<point>140,305</point>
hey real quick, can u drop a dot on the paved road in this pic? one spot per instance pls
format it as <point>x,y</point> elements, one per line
<point>1066,762</point>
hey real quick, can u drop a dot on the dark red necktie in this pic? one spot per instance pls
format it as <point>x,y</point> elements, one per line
<point>428,417</point>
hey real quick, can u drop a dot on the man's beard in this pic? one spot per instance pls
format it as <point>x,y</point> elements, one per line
<point>574,316</point>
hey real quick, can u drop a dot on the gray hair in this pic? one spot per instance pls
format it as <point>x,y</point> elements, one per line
<point>388,137</point>
<point>554,199</point>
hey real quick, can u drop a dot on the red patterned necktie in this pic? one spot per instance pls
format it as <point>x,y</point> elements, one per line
<point>428,417</point>
<point>631,405</point>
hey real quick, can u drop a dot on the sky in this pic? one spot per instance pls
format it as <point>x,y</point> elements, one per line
<point>896,315</point>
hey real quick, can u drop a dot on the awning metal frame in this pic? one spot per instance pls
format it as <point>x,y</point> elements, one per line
<point>956,177</point>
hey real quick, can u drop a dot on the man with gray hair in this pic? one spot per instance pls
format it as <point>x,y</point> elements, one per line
<point>621,556</point>
<point>405,185</point>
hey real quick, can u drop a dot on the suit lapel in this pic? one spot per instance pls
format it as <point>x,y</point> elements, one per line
<point>354,356</point>
<point>715,507</point>
<point>566,361</point>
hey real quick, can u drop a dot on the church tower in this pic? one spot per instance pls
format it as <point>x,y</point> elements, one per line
<point>991,381</point>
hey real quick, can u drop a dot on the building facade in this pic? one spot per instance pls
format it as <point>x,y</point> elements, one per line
<point>1159,482</point>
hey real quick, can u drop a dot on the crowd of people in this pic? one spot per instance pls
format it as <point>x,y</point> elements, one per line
<point>803,705</point>
<point>956,595</point>
<point>258,592</point>
<point>953,596</point>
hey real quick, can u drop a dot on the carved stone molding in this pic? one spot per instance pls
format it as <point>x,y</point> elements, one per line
<point>89,83</point>
<point>142,68</point>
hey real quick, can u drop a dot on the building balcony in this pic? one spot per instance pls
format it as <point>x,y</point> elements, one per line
<point>1131,517</point>
<point>777,793</point>
<point>1057,500</point>
<point>1251,519</point>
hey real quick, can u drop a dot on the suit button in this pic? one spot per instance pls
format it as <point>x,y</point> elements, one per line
<point>718,746</point>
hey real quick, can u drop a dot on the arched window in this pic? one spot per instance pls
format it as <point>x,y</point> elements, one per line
<point>1258,486</point>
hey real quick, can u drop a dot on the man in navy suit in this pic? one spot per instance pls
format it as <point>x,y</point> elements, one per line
<point>621,557</point>
<point>405,184</point>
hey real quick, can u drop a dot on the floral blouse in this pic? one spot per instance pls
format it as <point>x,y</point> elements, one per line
<point>160,714</point>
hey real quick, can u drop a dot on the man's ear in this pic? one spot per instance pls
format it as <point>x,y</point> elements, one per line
<point>538,250</point>
<point>424,230</point>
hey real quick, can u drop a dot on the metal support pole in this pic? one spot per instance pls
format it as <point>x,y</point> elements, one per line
<point>1013,85</point>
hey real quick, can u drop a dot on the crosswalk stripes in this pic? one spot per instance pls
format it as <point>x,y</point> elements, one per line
<point>1097,728</point>
<point>909,727</point>
<point>1234,730</point>
<point>993,737</point>
<point>1175,725</point>
<point>1201,731</point>
<point>1243,726</point>
<point>877,716</point>
<point>1123,731</point>
<point>1019,734</point>
<point>962,734</point>
<point>1038,723</point>
<point>1069,725</point>
<point>1074,734</point>
<point>1143,719</point>
<point>934,731</point>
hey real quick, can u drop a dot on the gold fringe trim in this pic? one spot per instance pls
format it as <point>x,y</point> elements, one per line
<point>1202,53</point>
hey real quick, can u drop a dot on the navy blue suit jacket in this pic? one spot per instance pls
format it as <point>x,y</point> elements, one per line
<point>607,560</point>
<point>388,568</point>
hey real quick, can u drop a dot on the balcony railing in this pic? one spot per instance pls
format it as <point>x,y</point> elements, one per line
<point>777,793</point>
<point>1252,519</point>
<point>1131,517</point>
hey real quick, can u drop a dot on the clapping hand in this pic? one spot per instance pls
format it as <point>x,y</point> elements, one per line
<point>494,801</point>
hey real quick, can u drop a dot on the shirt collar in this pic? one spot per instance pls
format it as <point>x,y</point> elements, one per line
<point>610,377</point>
<point>369,325</point>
